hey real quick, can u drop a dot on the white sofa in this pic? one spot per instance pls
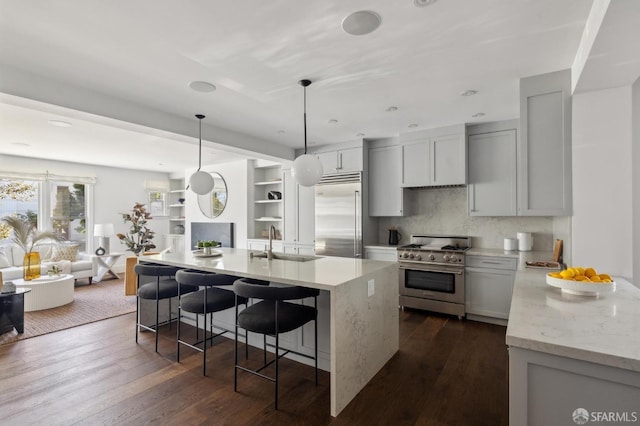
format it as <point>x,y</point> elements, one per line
<point>11,259</point>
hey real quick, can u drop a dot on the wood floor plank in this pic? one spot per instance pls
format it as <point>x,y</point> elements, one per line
<point>447,372</point>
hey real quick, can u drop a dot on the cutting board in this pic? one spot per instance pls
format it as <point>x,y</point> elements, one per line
<point>557,251</point>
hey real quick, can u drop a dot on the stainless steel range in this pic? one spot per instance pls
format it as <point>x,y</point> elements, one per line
<point>432,273</point>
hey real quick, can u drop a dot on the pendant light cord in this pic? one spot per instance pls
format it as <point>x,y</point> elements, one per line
<point>305,119</point>
<point>200,117</point>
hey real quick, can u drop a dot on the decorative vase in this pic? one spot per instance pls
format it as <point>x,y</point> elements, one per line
<point>31,265</point>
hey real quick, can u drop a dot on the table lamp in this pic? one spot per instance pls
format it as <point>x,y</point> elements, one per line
<point>104,231</point>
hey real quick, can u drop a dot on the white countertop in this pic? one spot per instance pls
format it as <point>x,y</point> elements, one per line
<point>603,330</point>
<point>323,273</point>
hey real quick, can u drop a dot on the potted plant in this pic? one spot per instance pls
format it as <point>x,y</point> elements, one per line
<point>54,271</point>
<point>139,237</point>
<point>27,237</point>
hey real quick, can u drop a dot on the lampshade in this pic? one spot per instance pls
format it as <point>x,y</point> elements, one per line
<point>201,182</point>
<point>307,169</point>
<point>103,230</point>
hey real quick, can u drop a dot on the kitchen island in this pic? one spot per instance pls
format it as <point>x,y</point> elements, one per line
<point>569,352</point>
<point>363,307</point>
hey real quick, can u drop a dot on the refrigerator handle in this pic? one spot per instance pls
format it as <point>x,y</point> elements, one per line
<point>357,237</point>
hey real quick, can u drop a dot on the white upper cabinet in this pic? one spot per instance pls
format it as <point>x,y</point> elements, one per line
<point>544,167</point>
<point>448,160</point>
<point>341,161</point>
<point>386,197</point>
<point>431,158</point>
<point>415,164</point>
<point>492,188</point>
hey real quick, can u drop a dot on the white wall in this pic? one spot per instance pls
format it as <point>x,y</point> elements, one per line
<point>602,187</point>
<point>115,191</point>
<point>236,211</point>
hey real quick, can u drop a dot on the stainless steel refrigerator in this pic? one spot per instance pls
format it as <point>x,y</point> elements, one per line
<point>338,205</point>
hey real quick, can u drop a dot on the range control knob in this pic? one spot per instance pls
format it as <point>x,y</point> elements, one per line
<point>411,256</point>
<point>454,258</point>
<point>405,255</point>
<point>432,257</point>
<point>418,257</point>
<point>445,257</point>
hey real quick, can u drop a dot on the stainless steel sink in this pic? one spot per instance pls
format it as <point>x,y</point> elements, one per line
<point>282,256</point>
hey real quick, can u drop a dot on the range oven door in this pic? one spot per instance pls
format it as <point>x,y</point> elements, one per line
<point>436,282</point>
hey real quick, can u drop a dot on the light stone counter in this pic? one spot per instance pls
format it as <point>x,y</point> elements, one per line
<point>604,330</point>
<point>364,331</point>
<point>568,352</point>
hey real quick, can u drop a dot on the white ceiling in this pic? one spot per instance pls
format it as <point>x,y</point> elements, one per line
<point>146,52</point>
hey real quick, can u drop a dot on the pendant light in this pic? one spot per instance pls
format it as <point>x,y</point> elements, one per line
<point>200,182</point>
<point>307,169</point>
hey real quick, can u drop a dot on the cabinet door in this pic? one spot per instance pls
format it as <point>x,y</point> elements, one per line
<point>386,196</point>
<point>448,160</point>
<point>350,160</point>
<point>488,292</point>
<point>545,145</point>
<point>299,211</point>
<point>415,164</point>
<point>329,162</point>
<point>492,174</point>
<point>377,253</point>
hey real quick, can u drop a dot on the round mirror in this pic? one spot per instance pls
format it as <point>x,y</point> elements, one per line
<point>213,203</point>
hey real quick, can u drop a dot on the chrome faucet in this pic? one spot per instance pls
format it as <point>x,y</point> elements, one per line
<point>272,235</point>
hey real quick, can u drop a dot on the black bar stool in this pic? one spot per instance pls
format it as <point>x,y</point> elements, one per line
<point>272,316</point>
<point>203,302</point>
<point>164,287</point>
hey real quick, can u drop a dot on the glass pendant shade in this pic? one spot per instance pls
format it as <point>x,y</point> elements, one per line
<point>201,182</point>
<point>307,170</point>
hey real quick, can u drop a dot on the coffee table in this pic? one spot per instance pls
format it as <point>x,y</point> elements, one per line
<point>47,292</point>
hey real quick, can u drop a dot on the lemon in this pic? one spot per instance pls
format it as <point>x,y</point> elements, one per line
<point>590,272</point>
<point>605,277</point>
<point>567,274</point>
<point>580,270</point>
<point>555,275</point>
<point>596,279</point>
<point>581,278</point>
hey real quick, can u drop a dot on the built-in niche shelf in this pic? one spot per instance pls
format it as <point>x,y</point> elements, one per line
<point>267,211</point>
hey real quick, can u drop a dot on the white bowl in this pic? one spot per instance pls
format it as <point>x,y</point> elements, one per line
<point>581,288</point>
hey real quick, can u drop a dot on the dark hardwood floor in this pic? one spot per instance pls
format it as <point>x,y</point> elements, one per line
<point>447,372</point>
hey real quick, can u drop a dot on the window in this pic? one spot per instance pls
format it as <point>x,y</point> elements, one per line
<point>68,211</point>
<point>157,203</point>
<point>51,202</point>
<point>18,197</point>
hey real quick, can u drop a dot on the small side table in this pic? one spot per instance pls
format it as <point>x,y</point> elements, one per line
<point>105,264</point>
<point>12,310</point>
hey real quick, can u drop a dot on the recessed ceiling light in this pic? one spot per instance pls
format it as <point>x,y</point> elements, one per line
<point>478,114</point>
<point>281,132</point>
<point>59,123</point>
<point>423,3</point>
<point>202,86</point>
<point>20,144</point>
<point>468,93</point>
<point>361,22</point>
<point>160,164</point>
<point>392,108</point>
<point>413,125</point>
<point>359,134</point>
<point>333,121</point>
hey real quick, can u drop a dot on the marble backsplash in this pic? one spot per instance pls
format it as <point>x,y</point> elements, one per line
<point>444,211</point>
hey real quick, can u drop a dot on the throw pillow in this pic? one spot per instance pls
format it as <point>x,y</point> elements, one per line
<point>4,259</point>
<point>65,252</point>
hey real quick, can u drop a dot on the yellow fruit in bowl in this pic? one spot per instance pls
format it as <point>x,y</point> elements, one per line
<point>581,278</point>
<point>567,274</point>
<point>596,279</point>
<point>590,272</point>
<point>555,275</point>
<point>605,277</point>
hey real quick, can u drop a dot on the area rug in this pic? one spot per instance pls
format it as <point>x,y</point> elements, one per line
<point>91,303</point>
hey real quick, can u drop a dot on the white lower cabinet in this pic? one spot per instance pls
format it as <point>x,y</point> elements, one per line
<point>488,288</point>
